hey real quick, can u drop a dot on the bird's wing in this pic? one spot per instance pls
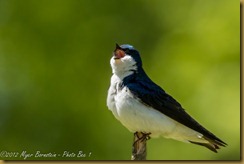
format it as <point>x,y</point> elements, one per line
<point>154,96</point>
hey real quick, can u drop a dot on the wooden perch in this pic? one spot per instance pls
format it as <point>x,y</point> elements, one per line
<point>139,147</point>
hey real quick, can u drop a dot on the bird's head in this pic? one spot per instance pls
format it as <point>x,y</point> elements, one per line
<point>125,60</point>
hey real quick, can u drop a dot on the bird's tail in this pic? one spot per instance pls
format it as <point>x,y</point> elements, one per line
<point>212,145</point>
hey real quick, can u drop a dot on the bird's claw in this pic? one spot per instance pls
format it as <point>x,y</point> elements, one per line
<point>145,136</point>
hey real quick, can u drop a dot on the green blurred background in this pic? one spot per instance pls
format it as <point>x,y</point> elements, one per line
<point>55,73</point>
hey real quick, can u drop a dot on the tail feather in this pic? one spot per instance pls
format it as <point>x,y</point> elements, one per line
<point>212,145</point>
<point>207,145</point>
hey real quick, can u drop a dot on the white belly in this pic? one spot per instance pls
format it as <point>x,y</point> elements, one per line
<point>136,116</point>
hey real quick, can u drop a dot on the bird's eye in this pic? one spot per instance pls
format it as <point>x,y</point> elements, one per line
<point>127,51</point>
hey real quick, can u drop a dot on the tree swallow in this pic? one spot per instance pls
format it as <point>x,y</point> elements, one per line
<point>143,106</point>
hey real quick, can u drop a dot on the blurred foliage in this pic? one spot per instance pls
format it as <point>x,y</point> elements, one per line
<point>55,72</point>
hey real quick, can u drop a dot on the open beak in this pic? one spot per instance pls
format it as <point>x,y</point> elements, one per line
<point>118,52</point>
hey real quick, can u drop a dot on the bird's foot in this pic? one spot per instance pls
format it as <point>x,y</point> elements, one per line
<point>140,136</point>
<point>145,136</point>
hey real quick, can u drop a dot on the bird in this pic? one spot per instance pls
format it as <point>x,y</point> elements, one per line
<point>143,106</point>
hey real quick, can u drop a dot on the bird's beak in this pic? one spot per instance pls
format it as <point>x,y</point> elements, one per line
<point>117,46</point>
<point>118,52</point>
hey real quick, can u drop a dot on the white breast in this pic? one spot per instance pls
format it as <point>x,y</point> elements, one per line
<point>136,116</point>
